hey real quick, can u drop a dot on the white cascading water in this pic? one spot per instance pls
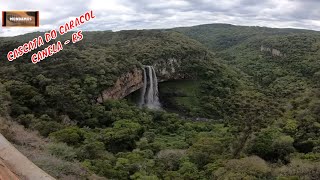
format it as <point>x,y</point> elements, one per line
<point>144,88</point>
<point>149,93</point>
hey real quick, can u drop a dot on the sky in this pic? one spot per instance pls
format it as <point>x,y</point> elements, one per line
<point>153,14</point>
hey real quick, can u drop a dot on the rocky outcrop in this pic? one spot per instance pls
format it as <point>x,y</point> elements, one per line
<point>125,84</point>
<point>274,52</point>
<point>166,69</point>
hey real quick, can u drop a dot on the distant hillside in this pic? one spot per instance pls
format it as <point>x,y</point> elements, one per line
<point>284,64</point>
<point>223,36</point>
<point>251,49</point>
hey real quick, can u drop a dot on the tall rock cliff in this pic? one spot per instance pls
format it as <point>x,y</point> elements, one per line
<point>166,69</point>
<point>125,84</point>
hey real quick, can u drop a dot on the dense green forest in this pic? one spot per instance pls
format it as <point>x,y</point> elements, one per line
<point>249,109</point>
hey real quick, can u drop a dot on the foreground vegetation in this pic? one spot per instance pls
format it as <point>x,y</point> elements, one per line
<point>261,111</point>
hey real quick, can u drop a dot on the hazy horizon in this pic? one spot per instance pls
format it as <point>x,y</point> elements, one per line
<point>171,28</point>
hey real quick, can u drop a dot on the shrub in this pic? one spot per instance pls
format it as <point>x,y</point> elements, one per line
<point>150,136</point>
<point>304,146</point>
<point>311,156</point>
<point>103,166</point>
<point>71,136</point>
<point>291,127</point>
<point>300,168</point>
<point>91,150</point>
<point>246,168</point>
<point>171,175</point>
<point>5,129</point>
<point>169,159</point>
<point>59,168</point>
<point>62,150</point>
<point>141,175</point>
<point>205,150</point>
<point>283,146</point>
<point>27,120</point>
<point>271,145</point>
<point>47,127</point>
<point>188,170</point>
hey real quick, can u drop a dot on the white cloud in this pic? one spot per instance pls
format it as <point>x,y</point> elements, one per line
<point>146,14</point>
<point>110,6</point>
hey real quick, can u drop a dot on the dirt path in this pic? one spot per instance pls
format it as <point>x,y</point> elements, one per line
<point>20,166</point>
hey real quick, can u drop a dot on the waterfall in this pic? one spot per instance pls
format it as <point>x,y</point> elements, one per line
<point>144,88</point>
<point>149,92</point>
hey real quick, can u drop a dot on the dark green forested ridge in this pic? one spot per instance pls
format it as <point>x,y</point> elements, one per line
<point>262,110</point>
<point>291,80</point>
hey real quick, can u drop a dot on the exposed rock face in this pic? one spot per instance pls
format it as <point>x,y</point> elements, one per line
<point>126,84</point>
<point>274,52</point>
<point>166,69</point>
